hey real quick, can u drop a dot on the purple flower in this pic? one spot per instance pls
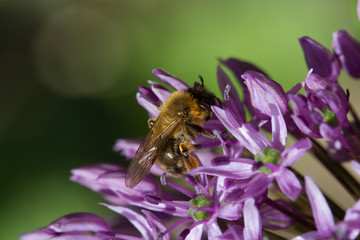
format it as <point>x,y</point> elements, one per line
<point>320,59</point>
<point>347,50</point>
<point>272,156</point>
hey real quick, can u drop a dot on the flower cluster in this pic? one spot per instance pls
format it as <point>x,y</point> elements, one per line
<point>246,186</point>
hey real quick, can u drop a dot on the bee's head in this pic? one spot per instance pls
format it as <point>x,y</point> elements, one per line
<point>204,98</point>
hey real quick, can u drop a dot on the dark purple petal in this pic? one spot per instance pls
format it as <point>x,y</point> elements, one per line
<point>127,147</point>
<point>290,155</point>
<point>347,49</point>
<point>289,184</point>
<point>264,91</point>
<point>252,221</point>
<point>171,80</point>
<point>161,93</point>
<point>239,67</point>
<point>148,105</point>
<point>234,232</point>
<point>320,59</point>
<point>135,219</point>
<point>148,93</point>
<point>231,96</point>
<point>321,211</point>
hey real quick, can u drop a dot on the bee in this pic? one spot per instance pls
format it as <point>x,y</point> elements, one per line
<point>168,143</point>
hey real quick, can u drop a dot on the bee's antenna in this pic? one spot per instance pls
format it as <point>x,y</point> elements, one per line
<point>202,80</point>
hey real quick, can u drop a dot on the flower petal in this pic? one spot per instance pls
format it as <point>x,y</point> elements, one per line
<point>320,59</point>
<point>264,91</point>
<point>36,235</point>
<point>171,80</point>
<point>127,147</point>
<point>290,155</point>
<point>252,221</point>
<point>289,184</point>
<point>347,50</point>
<point>135,219</point>
<point>148,105</point>
<point>232,100</point>
<point>321,211</point>
<point>235,170</point>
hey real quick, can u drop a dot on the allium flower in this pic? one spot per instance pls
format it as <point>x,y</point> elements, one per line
<point>246,186</point>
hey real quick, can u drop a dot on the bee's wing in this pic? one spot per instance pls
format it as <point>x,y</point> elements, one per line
<point>148,152</point>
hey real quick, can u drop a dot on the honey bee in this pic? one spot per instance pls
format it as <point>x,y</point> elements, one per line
<point>168,143</point>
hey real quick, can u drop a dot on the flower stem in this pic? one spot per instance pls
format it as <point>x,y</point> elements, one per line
<point>297,217</point>
<point>338,171</point>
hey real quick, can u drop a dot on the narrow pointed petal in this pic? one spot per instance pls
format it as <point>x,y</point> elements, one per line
<point>251,138</point>
<point>239,67</point>
<point>289,184</point>
<point>264,91</point>
<point>148,105</point>
<point>232,100</point>
<point>161,93</point>
<point>290,155</point>
<point>127,147</point>
<point>278,127</point>
<point>321,211</point>
<point>347,49</point>
<point>171,80</point>
<point>148,93</point>
<point>320,59</point>
<point>252,221</point>
<point>135,219</point>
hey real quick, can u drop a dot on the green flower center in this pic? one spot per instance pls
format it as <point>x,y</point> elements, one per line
<point>330,117</point>
<point>199,201</point>
<point>270,155</point>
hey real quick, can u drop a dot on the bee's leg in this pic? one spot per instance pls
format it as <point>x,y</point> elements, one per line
<point>201,130</point>
<point>151,122</point>
<point>189,160</point>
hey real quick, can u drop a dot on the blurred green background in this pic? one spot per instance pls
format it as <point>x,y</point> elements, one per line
<point>69,71</point>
